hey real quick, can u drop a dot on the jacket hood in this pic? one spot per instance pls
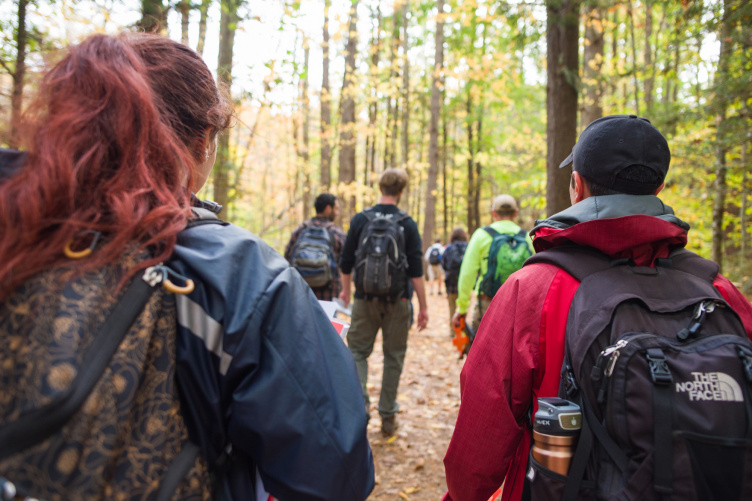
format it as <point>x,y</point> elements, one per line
<point>640,227</point>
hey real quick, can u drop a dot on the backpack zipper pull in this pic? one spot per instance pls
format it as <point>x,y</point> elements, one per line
<point>609,356</point>
<point>701,313</point>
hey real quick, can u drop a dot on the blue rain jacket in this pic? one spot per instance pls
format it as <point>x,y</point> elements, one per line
<point>262,373</point>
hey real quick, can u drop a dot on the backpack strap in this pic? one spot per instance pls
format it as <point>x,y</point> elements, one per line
<point>36,426</point>
<point>491,231</point>
<point>576,260</point>
<point>581,261</point>
<point>202,216</point>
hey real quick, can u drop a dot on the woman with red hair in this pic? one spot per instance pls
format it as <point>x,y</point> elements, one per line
<point>237,361</point>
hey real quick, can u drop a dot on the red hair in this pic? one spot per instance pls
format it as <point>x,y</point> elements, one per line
<point>111,145</point>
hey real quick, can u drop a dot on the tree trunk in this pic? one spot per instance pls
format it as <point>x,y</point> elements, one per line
<point>326,113</point>
<point>721,146</point>
<point>478,168</point>
<point>561,98</point>
<point>227,25</point>
<point>743,206</point>
<point>18,75</point>
<point>471,216</point>
<point>153,17</point>
<point>405,90</point>
<point>649,70</point>
<point>433,131</point>
<point>633,43</point>
<point>393,108</point>
<point>592,80</point>
<point>373,105</point>
<point>444,170</point>
<point>204,14</point>
<point>184,7</point>
<point>347,110</point>
<point>305,155</point>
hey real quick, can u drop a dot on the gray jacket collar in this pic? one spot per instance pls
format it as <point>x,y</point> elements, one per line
<point>611,206</point>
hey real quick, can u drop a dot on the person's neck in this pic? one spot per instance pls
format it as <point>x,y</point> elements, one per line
<point>388,200</point>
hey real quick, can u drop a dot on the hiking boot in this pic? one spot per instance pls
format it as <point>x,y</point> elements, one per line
<point>389,425</point>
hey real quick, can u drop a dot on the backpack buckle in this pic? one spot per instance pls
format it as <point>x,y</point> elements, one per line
<point>570,384</point>
<point>658,367</point>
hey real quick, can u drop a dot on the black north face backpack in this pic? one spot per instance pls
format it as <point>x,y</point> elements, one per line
<point>380,260</point>
<point>662,369</point>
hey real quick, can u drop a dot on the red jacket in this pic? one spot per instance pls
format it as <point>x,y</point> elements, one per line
<point>518,352</point>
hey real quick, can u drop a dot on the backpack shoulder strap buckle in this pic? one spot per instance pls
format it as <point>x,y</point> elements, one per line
<point>659,372</point>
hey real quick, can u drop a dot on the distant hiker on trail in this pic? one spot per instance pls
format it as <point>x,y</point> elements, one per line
<point>433,259</point>
<point>612,282</point>
<point>149,350</point>
<point>494,253</point>
<point>315,247</point>
<point>451,263</point>
<point>384,251</point>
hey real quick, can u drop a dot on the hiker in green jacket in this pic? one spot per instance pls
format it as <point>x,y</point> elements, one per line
<point>513,246</point>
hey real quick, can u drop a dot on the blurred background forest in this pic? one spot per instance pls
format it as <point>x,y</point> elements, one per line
<point>472,97</point>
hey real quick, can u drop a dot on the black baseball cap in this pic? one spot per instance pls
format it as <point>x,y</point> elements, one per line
<point>610,144</point>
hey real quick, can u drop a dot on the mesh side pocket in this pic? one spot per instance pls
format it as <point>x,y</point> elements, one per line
<point>720,466</point>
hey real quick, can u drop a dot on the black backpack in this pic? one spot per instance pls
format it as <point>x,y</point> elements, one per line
<point>313,255</point>
<point>452,262</point>
<point>380,260</point>
<point>661,367</point>
<point>434,257</point>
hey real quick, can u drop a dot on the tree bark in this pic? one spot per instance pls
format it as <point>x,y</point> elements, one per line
<point>444,135</point>
<point>561,98</point>
<point>18,75</point>
<point>721,146</point>
<point>305,155</point>
<point>203,16</point>
<point>433,131</point>
<point>471,216</point>
<point>405,90</point>
<point>633,43</point>
<point>227,24</point>
<point>370,169</point>
<point>592,81</point>
<point>153,16</point>
<point>184,7</point>
<point>347,109</point>
<point>649,69</point>
<point>326,113</point>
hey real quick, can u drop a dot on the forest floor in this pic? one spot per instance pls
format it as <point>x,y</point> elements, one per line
<point>409,465</point>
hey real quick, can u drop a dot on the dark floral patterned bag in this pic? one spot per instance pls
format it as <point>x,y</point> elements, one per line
<point>127,440</point>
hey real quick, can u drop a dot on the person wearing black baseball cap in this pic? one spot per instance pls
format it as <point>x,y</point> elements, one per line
<point>619,167</point>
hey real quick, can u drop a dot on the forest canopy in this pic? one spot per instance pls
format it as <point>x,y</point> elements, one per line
<point>473,97</point>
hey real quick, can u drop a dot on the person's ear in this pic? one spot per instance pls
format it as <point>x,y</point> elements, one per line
<point>660,188</point>
<point>577,187</point>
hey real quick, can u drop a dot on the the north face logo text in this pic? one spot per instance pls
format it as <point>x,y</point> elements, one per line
<point>715,386</point>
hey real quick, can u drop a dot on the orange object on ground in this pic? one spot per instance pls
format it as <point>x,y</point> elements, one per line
<point>460,339</point>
